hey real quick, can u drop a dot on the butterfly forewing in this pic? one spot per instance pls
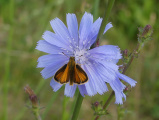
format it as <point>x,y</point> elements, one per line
<point>80,75</point>
<point>62,75</point>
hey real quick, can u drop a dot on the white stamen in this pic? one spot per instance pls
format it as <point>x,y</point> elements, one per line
<point>84,42</point>
<point>60,53</point>
<point>81,56</point>
<point>63,48</point>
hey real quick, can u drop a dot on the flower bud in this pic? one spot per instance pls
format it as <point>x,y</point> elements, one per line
<point>147,31</point>
<point>96,104</point>
<point>125,52</point>
<point>145,34</point>
<point>33,98</point>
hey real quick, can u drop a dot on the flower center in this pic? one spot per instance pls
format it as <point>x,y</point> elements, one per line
<point>81,56</point>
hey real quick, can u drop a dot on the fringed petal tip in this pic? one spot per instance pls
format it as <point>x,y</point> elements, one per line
<point>55,85</point>
<point>51,21</point>
<point>119,97</point>
<point>108,26</point>
<point>70,90</point>
<point>82,89</point>
<point>127,79</point>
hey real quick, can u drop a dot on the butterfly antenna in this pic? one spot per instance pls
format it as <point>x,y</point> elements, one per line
<point>65,54</point>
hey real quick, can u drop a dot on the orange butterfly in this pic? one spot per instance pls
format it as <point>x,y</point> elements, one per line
<point>71,72</point>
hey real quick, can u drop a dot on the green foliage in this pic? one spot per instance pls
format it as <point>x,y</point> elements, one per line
<point>98,109</point>
<point>22,23</point>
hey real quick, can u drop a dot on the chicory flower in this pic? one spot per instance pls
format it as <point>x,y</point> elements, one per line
<point>99,63</point>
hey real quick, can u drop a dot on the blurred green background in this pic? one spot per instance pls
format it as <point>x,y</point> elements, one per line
<point>22,23</point>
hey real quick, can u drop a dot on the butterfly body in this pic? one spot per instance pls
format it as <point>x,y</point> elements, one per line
<point>71,72</point>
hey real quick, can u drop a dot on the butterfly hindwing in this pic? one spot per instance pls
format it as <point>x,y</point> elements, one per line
<point>62,75</point>
<point>76,77</point>
<point>80,75</point>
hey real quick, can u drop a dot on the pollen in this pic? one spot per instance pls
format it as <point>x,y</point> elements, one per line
<point>81,56</point>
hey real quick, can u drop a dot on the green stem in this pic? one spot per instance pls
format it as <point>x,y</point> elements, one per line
<point>64,110</point>
<point>7,63</point>
<point>95,9</point>
<point>109,100</point>
<point>36,113</point>
<point>136,51</point>
<point>105,20</point>
<point>73,104</point>
<point>107,103</point>
<point>38,117</point>
<point>77,107</point>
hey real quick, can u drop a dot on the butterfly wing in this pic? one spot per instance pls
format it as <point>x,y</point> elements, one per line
<point>80,75</point>
<point>76,78</point>
<point>62,75</point>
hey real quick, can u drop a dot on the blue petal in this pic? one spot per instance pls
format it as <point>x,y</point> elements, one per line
<point>108,26</point>
<point>90,85</point>
<point>95,78</point>
<point>47,60</point>
<point>50,70</point>
<point>110,66</point>
<point>85,27</point>
<point>107,52</point>
<point>70,90</point>
<point>55,85</point>
<point>106,72</point>
<point>61,30</point>
<point>82,89</point>
<point>118,85</point>
<point>56,40</point>
<point>93,33</point>
<point>118,94</point>
<point>127,79</point>
<point>48,48</point>
<point>73,28</point>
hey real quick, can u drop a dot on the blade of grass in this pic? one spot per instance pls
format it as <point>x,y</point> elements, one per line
<point>7,63</point>
<point>49,105</point>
